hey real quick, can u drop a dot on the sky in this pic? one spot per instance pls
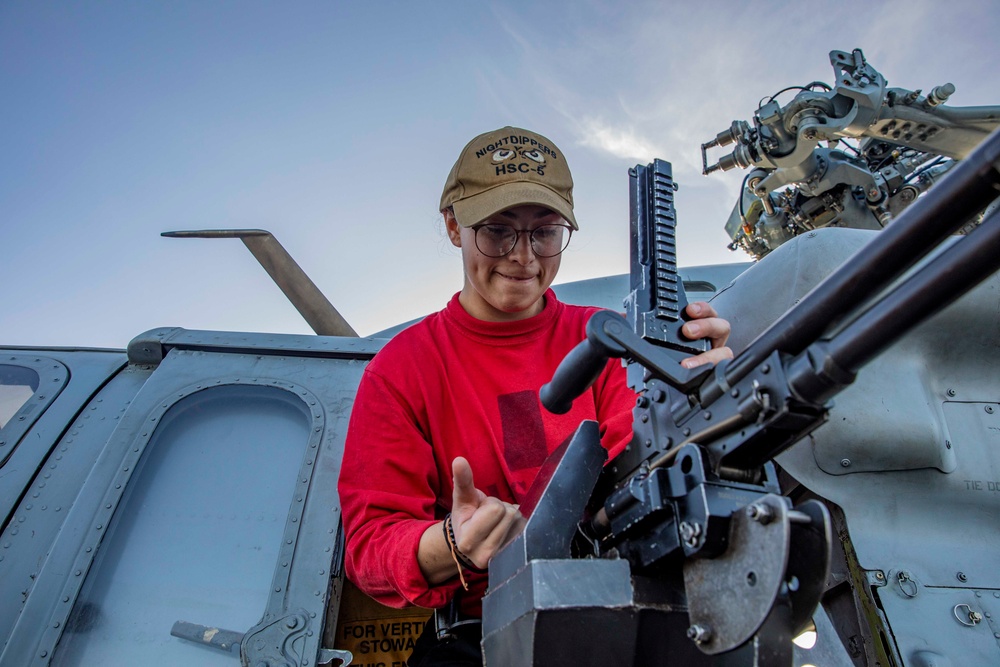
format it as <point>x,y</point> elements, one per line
<point>334,124</point>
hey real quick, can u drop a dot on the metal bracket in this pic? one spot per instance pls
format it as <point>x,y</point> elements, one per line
<point>328,655</point>
<point>777,558</point>
<point>270,644</point>
<point>274,643</point>
<point>751,571</point>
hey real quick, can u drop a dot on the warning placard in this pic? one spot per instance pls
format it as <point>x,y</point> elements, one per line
<point>377,635</point>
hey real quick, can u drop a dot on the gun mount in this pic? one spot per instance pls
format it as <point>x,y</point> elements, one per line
<point>854,154</point>
<point>721,568</point>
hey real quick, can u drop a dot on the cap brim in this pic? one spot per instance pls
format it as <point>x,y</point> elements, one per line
<point>473,210</point>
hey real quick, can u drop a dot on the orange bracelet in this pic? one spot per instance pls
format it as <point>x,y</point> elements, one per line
<point>449,537</point>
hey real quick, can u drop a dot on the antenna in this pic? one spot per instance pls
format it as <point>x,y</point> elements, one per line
<point>297,287</point>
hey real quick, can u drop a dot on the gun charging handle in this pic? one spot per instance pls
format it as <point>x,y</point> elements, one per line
<point>580,368</point>
<point>609,335</point>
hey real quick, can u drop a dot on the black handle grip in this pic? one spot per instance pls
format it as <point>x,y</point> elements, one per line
<point>576,372</point>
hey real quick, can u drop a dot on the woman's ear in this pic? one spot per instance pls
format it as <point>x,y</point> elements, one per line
<point>454,230</point>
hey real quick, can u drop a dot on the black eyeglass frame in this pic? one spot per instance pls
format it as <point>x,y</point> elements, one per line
<point>517,237</point>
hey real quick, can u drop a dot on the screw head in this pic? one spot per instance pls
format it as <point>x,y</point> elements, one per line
<point>845,462</point>
<point>699,634</point>
<point>690,532</point>
<point>962,577</point>
<point>760,512</point>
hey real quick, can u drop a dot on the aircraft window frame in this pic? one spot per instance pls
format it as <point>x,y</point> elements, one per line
<point>283,622</point>
<point>52,379</point>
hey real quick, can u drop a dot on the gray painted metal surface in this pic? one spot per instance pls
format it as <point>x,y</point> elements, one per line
<point>910,453</point>
<point>128,496</point>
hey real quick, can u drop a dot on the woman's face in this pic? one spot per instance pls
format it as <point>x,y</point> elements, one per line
<point>512,287</point>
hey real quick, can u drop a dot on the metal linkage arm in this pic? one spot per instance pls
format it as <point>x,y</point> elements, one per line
<point>297,287</point>
<point>962,194</point>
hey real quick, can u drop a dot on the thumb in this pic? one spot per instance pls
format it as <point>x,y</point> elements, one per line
<point>465,492</point>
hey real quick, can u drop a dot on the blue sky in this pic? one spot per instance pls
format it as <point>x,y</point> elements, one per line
<point>334,124</point>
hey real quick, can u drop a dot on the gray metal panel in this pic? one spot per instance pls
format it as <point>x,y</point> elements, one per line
<point>50,493</point>
<point>911,451</point>
<point>88,370</point>
<point>938,630</point>
<point>151,346</point>
<point>48,377</point>
<point>323,373</point>
<point>827,651</point>
<point>555,584</point>
<point>199,530</point>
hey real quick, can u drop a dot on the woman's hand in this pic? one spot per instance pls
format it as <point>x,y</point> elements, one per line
<point>481,523</point>
<point>706,323</point>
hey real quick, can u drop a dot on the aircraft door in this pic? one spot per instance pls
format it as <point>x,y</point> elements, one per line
<point>210,521</point>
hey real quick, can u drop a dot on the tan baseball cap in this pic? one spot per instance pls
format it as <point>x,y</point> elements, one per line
<point>506,168</point>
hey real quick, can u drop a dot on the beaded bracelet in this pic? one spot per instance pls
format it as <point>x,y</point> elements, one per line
<point>461,560</point>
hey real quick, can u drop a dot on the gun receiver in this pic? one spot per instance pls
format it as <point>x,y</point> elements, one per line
<point>654,307</point>
<point>656,303</point>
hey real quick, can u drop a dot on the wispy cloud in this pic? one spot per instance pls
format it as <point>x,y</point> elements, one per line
<point>622,142</point>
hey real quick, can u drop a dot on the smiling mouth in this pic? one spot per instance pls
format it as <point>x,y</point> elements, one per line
<point>520,279</point>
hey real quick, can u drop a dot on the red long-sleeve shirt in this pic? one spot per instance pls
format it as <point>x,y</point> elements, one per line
<point>449,386</point>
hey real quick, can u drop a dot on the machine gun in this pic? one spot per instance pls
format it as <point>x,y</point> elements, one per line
<point>681,548</point>
<point>905,142</point>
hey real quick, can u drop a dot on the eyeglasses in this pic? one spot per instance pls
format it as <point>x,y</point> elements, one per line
<point>495,240</point>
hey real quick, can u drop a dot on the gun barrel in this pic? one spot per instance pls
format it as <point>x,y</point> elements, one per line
<point>952,273</point>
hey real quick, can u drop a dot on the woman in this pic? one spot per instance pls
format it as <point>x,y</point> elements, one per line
<point>447,432</point>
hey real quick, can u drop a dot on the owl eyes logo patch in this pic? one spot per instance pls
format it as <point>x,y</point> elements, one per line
<point>505,148</point>
<point>533,154</point>
<point>506,154</point>
<point>518,155</point>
